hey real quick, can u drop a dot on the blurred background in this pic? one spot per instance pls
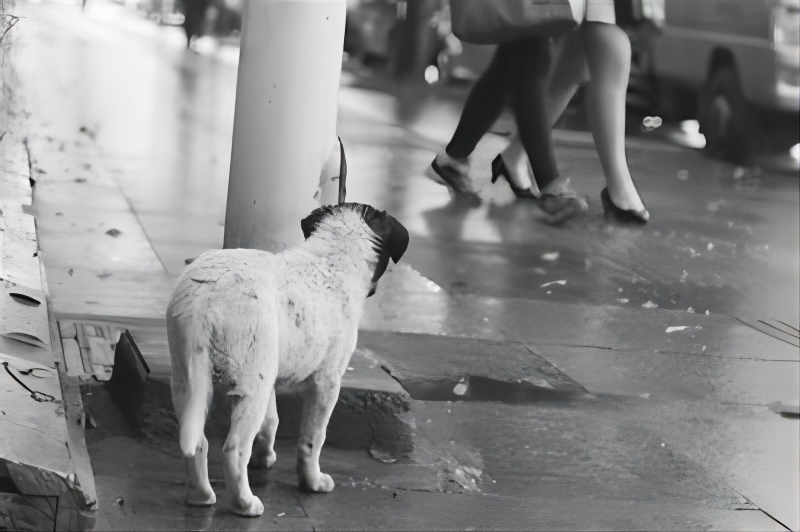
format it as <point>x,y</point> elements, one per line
<point>723,74</point>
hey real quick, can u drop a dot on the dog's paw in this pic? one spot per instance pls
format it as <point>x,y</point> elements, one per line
<point>199,497</point>
<point>247,507</point>
<point>322,484</point>
<point>263,459</point>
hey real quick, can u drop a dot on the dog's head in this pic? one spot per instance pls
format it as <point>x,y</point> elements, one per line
<point>385,236</point>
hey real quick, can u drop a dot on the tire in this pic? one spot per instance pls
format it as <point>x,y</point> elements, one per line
<point>727,120</point>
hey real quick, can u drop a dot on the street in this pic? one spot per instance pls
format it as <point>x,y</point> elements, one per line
<point>662,350</point>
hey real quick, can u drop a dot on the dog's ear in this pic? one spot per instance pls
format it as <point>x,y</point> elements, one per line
<point>396,238</point>
<point>391,241</point>
<point>310,223</point>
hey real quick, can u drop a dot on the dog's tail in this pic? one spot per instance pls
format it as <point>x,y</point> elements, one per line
<point>191,390</point>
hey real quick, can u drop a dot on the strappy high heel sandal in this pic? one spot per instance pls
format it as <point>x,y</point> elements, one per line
<point>621,216</point>
<point>499,169</point>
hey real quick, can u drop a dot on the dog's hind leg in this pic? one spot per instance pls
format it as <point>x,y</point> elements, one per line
<point>246,418</point>
<point>263,448</point>
<point>317,408</point>
<point>200,491</point>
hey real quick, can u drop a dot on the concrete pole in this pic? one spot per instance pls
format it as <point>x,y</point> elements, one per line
<point>284,134</point>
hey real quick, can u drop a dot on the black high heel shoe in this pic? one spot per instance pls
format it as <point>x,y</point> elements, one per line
<point>614,213</point>
<point>499,169</point>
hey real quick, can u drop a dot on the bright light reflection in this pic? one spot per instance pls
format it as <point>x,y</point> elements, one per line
<point>432,74</point>
<point>692,135</point>
<point>690,126</point>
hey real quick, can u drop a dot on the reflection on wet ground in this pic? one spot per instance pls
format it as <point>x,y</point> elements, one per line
<point>722,239</point>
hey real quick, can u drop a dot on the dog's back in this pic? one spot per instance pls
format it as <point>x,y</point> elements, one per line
<point>217,325</point>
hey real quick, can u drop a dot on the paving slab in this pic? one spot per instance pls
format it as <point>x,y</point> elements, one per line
<point>750,448</point>
<point>431,366</point>
<point>408,302</point>
<point>99,258</point>
<point>610,327</point>
<point>676,376</point>
<point>370,496</point>
<point>372,411</point>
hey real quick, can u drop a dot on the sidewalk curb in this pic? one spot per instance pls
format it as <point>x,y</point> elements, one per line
<point>46,482</point>
<point>379,422</point>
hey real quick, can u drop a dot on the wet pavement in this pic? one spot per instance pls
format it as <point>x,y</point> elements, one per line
<point>610,378</point>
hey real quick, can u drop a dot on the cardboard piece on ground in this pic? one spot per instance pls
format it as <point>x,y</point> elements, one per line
<point>23,512</point>
<point>72,357</point>
<point>39,355</point>
<point>19,262</point>
<point>23,314</point>
<point>67,329</point>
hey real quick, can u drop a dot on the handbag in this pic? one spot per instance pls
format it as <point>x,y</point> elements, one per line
<point>499,21</point>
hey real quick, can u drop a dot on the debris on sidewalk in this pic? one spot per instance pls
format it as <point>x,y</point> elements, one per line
<point>651,122</point>
<point>561,283</point>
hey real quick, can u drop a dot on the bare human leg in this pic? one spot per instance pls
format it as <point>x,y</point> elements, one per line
<point>608,54</point>
<point>568,72</point>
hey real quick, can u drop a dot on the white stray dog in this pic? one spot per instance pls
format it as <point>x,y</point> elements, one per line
<point>242,323</point>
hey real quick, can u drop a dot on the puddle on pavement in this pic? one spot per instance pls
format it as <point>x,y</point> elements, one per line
<point>482,389</point>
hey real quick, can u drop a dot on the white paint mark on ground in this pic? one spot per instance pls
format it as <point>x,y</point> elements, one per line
<point>676,328</point>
